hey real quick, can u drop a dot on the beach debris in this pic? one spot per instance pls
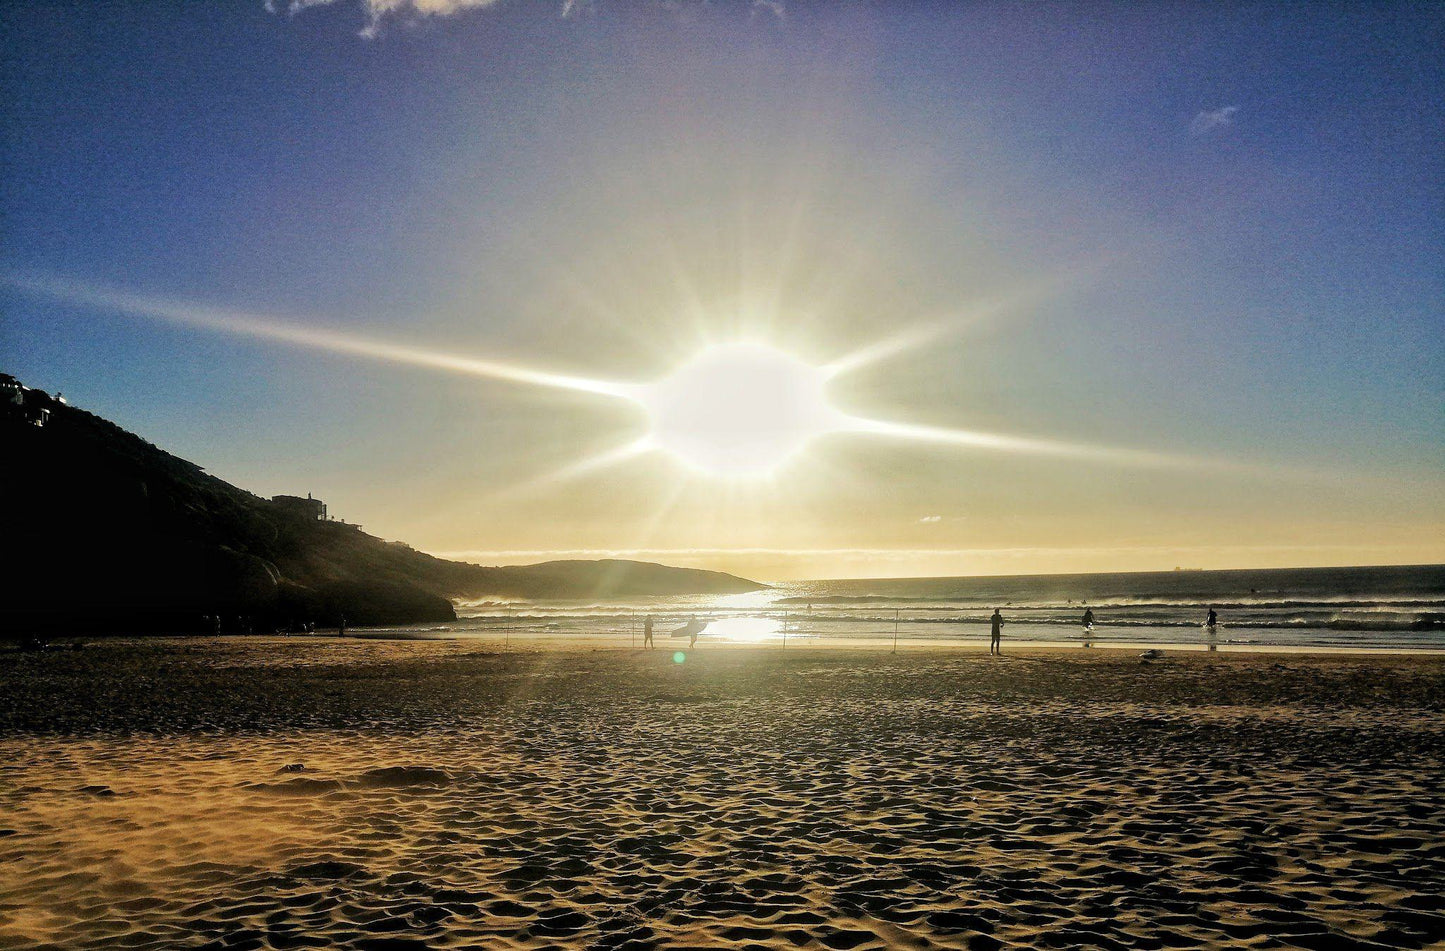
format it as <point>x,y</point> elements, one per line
<point>293,768</point>
<point>1150,655</point>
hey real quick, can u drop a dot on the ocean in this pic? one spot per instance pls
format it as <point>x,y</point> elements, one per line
<point>1369,607</point>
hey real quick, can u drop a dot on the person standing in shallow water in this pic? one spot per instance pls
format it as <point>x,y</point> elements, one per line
<point>1088,626</point>
<point>995,634</point>
<point>647,632</point>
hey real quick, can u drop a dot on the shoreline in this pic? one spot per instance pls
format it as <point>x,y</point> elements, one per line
<point>544,643</point>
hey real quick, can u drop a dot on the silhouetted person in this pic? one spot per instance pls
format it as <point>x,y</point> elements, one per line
<point>693,630</point>
<point>995,634</point>
<point>1211,620</point>
<point>343,625</point>
<point>647,632</point>
<point>1088,625</point>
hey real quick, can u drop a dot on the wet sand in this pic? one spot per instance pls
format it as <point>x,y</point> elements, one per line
<point>454,796</point>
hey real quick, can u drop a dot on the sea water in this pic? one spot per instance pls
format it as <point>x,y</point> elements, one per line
<point>1373,607</point>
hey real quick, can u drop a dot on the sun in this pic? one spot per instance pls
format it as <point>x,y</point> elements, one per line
<point>739,409</point>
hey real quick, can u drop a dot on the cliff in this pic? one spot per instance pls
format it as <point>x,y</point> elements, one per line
<point>106,532</point>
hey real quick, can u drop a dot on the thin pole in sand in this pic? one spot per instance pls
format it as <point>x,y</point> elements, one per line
<point>895,630</point>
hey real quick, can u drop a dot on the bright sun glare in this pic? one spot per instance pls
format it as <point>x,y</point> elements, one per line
<point>739,409</point>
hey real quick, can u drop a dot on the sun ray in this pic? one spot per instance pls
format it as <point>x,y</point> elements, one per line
<point>821,419</point>
<point>999,442</point>
<point>582,467</point>
<point>259,326</point>
<point>924,332</point>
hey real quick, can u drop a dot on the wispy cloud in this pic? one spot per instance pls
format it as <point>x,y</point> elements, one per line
<point>380,11</point>
<point>774,7</point>
<point>1209,120</point>
<point>931,519</point>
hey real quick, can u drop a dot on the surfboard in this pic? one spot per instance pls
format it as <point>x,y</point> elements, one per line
<point>689,629</point>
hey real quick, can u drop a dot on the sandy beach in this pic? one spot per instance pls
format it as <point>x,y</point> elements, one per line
<point>313,792</point>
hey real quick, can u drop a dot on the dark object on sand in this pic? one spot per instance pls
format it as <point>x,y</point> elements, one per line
<point>1150,655</point>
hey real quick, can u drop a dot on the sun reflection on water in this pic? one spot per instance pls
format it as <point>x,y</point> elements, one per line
<point>746,629</point>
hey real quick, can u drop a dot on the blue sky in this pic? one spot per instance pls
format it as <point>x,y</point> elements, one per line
<point>1220,226</point>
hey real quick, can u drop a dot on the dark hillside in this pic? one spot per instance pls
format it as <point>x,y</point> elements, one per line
<point>106,532</point>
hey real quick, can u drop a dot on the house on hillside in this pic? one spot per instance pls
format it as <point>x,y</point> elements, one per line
<point>20,401</point>
<point>313,510</point>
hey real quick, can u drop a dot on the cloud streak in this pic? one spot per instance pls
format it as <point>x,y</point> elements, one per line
<point>1210,120</point>
<point>379,11</point>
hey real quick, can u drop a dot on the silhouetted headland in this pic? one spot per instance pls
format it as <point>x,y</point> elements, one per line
<point>107,533</point>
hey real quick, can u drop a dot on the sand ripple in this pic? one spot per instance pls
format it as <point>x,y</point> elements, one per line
<point>901,806</point>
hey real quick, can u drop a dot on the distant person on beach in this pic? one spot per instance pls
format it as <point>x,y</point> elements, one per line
<point>694,629</point>
<point>1088,626</point>
<point>1211,620</point>
<point>343,625</point>
<point>995,635</point>
<point>647,632</point>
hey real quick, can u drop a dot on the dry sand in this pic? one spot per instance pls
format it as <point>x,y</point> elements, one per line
<point>454,797</point>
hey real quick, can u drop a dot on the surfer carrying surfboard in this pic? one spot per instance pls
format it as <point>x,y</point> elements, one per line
<point>690,630</point>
